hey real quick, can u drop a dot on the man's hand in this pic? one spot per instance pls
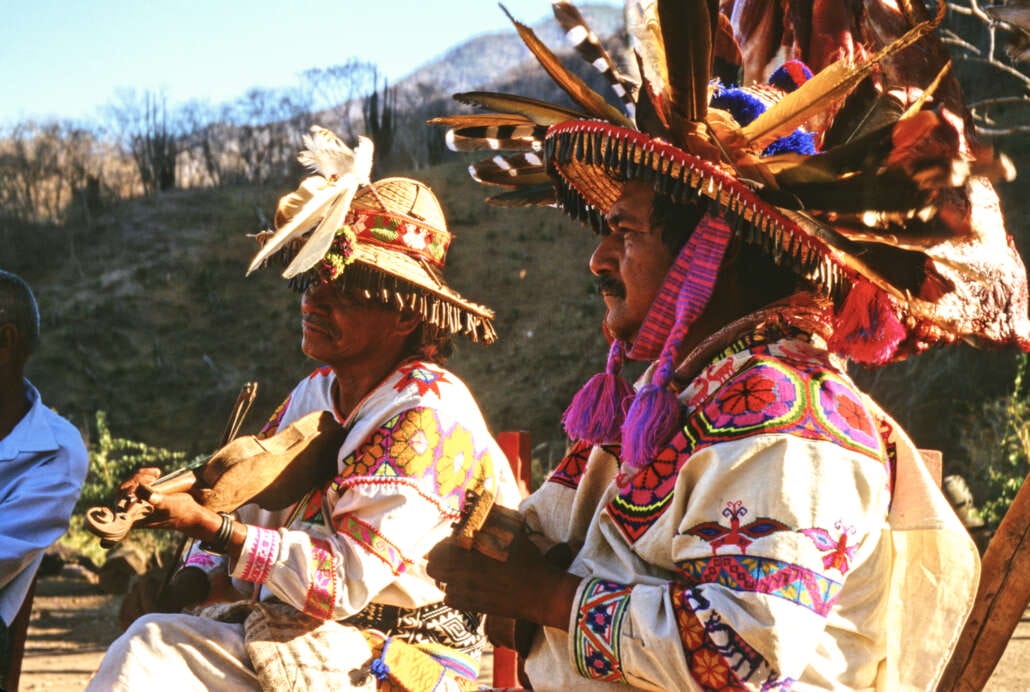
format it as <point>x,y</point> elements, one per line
<point>526,587</point>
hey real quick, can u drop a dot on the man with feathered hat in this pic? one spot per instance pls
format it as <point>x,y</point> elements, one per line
<point>744,517</point>
<point>340,597</point>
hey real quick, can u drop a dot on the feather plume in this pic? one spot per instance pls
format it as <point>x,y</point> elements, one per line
<point>539,112</point>
<point>321,238</point>
<point>591,50</point>
<point>303,208</point>
<point>512,171</point>
<point>327,155</point>
<point>829,85</point>
<point>321,201</point>
<point>480,120</point>
<point>581,94</point>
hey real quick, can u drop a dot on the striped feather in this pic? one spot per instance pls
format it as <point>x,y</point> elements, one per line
<point>496,138</point>
<point>578,90</point>
<point>515,170</point>
<point>590,49</point>
<point>539,112</point>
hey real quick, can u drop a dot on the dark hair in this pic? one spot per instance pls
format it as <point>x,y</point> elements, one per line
<point>761,279</point>
<point>18,307</point>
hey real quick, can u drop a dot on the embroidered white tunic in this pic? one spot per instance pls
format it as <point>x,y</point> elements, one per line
<point>776,542</point>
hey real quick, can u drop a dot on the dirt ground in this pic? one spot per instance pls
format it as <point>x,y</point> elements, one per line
<point>73,623</point>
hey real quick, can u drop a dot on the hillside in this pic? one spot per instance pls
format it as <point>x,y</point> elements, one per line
<point>148,316</point>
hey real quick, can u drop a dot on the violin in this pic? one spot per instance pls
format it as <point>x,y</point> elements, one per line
<point>274,473</point>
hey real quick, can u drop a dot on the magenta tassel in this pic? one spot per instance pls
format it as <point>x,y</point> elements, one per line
<point>866,329</point>
<point>596,412</point>
<point>652,419</point>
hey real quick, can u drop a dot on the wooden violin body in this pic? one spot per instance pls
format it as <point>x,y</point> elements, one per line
<point>272,473</point>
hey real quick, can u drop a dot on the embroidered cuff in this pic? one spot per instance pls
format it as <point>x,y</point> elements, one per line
<point>595,637</point>
<point>260,550</point>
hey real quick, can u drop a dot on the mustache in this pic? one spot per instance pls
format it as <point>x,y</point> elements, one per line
<point>610,285</point>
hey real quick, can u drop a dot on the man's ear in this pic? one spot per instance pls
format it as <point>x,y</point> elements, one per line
<point>8,342</point>
<point>408,322</point>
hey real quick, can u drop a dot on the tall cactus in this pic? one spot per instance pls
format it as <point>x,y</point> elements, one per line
<point>380,114</point>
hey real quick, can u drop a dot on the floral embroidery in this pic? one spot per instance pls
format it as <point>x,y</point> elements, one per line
<point>415,448</point>
<point>321,597</point>
<point>601,609</point>
<point>765,396</point>
<point>742,536</point>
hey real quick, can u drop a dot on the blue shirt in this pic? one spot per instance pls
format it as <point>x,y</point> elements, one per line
<point>43,462</point>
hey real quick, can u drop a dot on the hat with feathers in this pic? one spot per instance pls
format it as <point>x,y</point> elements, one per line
<point>386,238</point>
<point>882,206</point>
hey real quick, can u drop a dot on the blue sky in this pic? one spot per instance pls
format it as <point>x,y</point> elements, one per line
<point>67,58</point>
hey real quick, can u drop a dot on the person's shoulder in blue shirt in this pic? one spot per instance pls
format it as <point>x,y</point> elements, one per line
<point>43,460</point>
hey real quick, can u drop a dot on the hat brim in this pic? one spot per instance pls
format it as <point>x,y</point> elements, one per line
<point>590,161</point>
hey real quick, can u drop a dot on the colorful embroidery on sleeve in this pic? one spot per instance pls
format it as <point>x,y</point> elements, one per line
<point>718,657</point>
<point>415,448</point>
<point>570,470</point>
<point>739,535</point>
<point>424,377</point>
<point>601,609</point>
<point>765,575</point>
<point>259,552</point>
<point>321,597</point>
<point>838,553</point>
<point>372,541</point>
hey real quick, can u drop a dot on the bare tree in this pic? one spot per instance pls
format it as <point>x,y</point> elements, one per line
<point>337,91</point>
<point>143,125</point>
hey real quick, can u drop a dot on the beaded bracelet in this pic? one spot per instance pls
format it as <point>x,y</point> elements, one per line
<point>220,543</point>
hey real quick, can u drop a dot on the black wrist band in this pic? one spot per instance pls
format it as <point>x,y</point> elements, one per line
<point>220,543</point>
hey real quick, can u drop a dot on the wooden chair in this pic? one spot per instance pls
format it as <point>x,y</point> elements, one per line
<point>18,632</point>
<point>518,449</point>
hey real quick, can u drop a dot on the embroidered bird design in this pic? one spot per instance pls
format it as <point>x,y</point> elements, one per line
<point>839,553</point>
<point>740,535</point>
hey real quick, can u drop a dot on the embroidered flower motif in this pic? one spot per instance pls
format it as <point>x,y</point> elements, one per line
<point>413,236</point>
<point>425,378</point>
<point>751,400</point>
<point>597,663</point>
<point>598,620</point>
<point>853,413</point>
<point>709,669</point>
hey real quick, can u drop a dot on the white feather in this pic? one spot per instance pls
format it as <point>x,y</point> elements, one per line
<point>302,221</point>
<point>321,239</point>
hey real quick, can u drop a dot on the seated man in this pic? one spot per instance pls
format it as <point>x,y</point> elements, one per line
<point>350,560</point>
<point>43,461</point>
<point>745,517</point>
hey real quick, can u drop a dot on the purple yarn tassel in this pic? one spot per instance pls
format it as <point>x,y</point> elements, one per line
<point>596,412</point>
<point>653,418</point>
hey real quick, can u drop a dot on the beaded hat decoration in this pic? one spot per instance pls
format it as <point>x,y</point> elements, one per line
<point>388,238</point>
<point>882,204</point>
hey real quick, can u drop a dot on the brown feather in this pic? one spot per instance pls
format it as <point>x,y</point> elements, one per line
<point>592,51</point>
<point>588,99</point>
<point>539,112</point>
<point>829,85</point>
<point>693,25</point>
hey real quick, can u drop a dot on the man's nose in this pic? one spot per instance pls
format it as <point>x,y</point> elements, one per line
<point>603,260</point>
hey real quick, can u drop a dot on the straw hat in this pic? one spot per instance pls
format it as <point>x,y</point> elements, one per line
<point>387,238</point>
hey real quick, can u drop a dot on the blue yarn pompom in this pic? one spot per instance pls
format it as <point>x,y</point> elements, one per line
<point>797,142</point>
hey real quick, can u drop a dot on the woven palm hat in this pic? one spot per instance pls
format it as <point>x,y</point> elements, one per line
<point>387,238</point>
<point>892,217</point>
